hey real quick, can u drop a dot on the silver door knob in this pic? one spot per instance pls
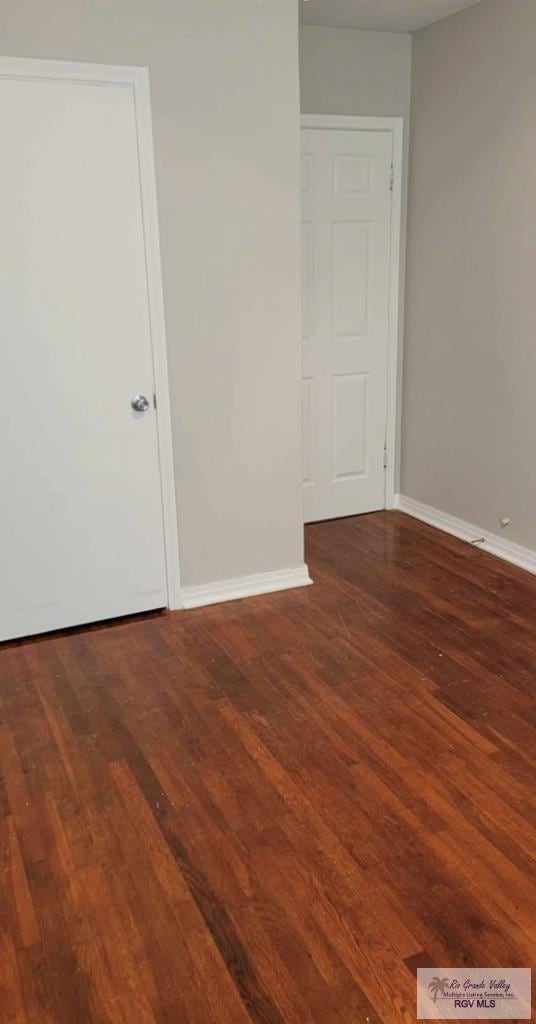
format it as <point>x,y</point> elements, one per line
<point>139,403</point>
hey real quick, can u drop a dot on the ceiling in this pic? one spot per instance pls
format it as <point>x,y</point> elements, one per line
<point>383,15</point>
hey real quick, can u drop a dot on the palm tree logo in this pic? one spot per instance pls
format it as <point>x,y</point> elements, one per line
<point>437,987</point>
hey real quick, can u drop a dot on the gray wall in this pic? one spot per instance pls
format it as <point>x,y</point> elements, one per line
<point>470,354</point>
<point>225,110</point>
<point>345,71</point>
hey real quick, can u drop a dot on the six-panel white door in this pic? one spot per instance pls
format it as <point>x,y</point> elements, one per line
<point>81,533</point>
<point>346,229</point>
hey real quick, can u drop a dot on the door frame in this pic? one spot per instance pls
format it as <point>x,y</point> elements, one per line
<point>395,126</point>
<point>137,79</point>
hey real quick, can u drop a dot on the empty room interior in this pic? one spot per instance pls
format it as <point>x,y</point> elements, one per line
<point>268,511</point>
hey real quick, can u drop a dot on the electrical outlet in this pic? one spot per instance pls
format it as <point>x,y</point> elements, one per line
<point>505,521</point>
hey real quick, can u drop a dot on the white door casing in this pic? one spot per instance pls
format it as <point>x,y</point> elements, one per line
<point>350,225</point>
<point>87,515</point>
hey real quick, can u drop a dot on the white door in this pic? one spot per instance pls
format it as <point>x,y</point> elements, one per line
<point>81,534</point>
<point>346,203</point>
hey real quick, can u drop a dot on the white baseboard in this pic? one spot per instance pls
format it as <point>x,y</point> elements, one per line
<point>525,558</point>
<point>245,586</point>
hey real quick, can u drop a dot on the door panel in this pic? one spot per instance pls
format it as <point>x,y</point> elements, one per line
<point>81,530</point>
<point>346,204</point>
<point>349,426</point>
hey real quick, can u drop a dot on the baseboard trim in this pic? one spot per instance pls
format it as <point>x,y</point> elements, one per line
<point>525,558</point>
<point>245,586</point>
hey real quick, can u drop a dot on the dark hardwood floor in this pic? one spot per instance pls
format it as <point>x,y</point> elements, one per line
<point>274,810</point>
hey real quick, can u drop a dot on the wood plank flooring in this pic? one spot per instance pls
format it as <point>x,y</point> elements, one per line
<point>273,811</point>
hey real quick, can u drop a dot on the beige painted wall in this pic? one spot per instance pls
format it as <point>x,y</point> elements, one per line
<point>225,109</point>
<point>470,354</point>
<point>345,71</point>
